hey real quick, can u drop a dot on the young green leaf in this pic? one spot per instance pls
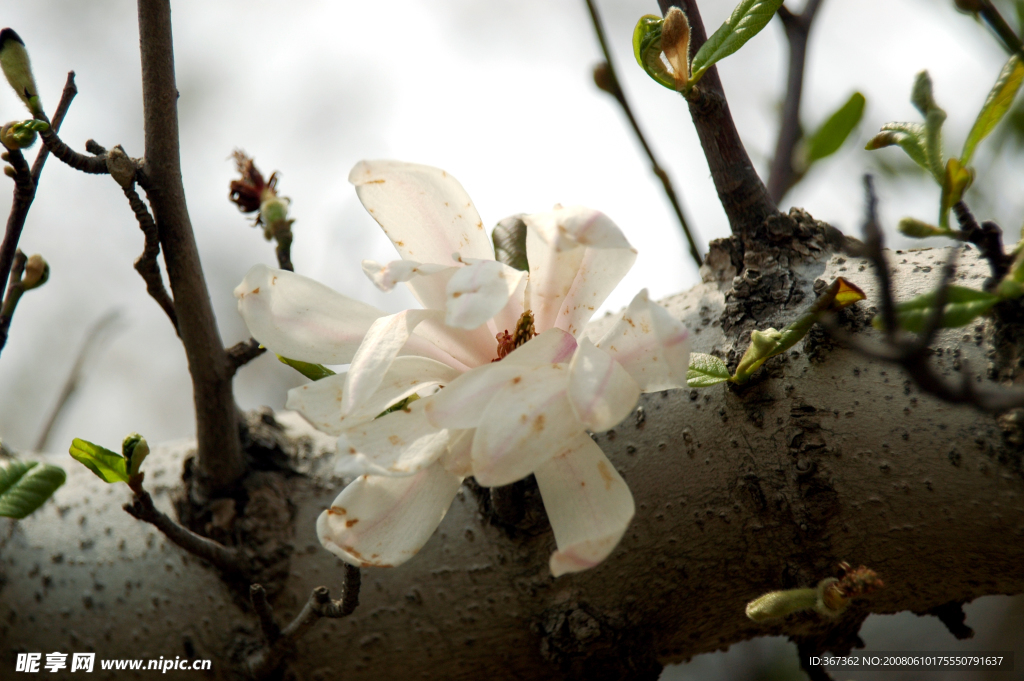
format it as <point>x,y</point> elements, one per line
<point>647,50</point>
<point>955,182</point>
<point>705,370</point>
<point>108,465</point>
<point>996,105</point>
<point>313,372</point>
<point>909,136</point>
<point>834,131</point>
<point>25,485</point>
<point>962,306</point>
<point>746,21</point>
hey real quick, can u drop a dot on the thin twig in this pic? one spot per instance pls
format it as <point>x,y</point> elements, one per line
<point>743,196</point>
<point>219,453</point>
<point>142,508</point>
<point>243,352</point>
<point>25,183</point>
<point>75,375</point>
<point>783,174</point>
<point>280,642</point>
<point>998,24</point>
<point>612,86</point>
<point>146,264</point>
<point>913,354</point>
<point>14,292</point>
<point>988,237</point>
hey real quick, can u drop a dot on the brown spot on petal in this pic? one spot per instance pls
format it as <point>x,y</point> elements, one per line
<point>351,450</point>
<point>479,225</point>
<point>350,523</point>
<point>395,440</point>
<point>336,510</point>
<point>606,475</point>
<point>273,280</point>
<point>517,379</point>
<point>523,418</point>
<point>256,290</point>
<point>374,182</point>
<point>351,550</point>
<point>629,321</point>
<point>538,423</point>
<point>399,243</point>
<point>457,294</point>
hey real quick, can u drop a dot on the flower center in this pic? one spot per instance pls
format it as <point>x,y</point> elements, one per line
<point>524,332</point>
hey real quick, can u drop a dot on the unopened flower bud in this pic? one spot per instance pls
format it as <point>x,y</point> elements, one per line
<point>134,449</point>
<point>18,70</point>
<point>14,138</point>
<point>37,271</point>
<point>675,43</point>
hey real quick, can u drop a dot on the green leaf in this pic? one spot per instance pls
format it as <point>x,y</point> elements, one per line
<point>834,131</point>
<point>647,50</point>
<point>996,105</point>
<point>705,370</point>
<point>108,465</point>
<point>962,306</point>
<point>400,404</point>
<point>313,372</point>
<point>26,485</point>
<point>747,20</point>
<point>909,136</point>
<point>509,237</point>
<point>955,182</point>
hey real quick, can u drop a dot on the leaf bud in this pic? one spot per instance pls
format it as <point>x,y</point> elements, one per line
<point>135,449</point>
<point>37,271</point>
<point>918,229</point>
<point>18,70</point>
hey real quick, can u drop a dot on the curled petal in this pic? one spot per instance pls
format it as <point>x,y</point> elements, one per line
<point>652,345</point>
<point>302,319</point>
<point>462,402</point>
<point>383,522</point>
<point>577,256</point>
<point>386,276</point>
<point>526,423</point>
<point>427,215</point>
<point>478,292</point>
<point>400,443</point>
<point>319,402</point>
<point>588,503</point>
<point>601,391</point>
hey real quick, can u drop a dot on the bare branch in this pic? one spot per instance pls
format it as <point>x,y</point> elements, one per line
<point>280,642</point>
<point>243,352</point>
<point>68,94</point>
<point>783,175</point>
<point>146,264</point>
<point>221,463</point>
<point>219,555</point>
<point>988,237</point>
<point>75,375</point>
<point>743,196</point>
<point>606,78</point>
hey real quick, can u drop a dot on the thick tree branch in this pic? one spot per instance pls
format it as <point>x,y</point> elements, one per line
<point>606,78</point>
<point>743,196</point>
<point>220,458</point>
<point>783,175</point>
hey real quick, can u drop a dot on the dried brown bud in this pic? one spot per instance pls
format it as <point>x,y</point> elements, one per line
<point>675,43</point>
<point>120,166</point>
<point>604,81</point>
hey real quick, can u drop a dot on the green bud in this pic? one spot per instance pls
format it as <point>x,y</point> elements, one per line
<point>776,604</point>
<point>21,134</point>
<point>919,229</point>
<point>921,95</point>
<point>18,70</point>
<point>135,450</point>
<point>273,211</point>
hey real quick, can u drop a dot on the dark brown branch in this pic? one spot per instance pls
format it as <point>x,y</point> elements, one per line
<point>75,376</point>
<point>146,264</point>
<point>219,555</point>
<point>53,143</point>
<point>988,237</point>
<point>68,94</point>
<point>743,196</point>
<point>221,463</point>
<point>806,649</point>
<point>783,174</point>
<point>243,352</point>
<point>913,355</point>
<point>1011,41</point>
<point>13,295</point>
<point>606,78</point>
<point>280,642</point>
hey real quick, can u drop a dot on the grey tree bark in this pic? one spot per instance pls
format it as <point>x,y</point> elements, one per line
<point>824,457</point>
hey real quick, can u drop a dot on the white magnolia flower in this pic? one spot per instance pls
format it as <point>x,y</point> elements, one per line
<point>470,413</point>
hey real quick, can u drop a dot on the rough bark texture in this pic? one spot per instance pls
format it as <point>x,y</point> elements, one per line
<point>823,457</point>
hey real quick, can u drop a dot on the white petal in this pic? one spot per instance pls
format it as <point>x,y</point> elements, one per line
<point>462,402</point>
<point>384,340</point>
<point>382,522</point>
<point>649,343</point>
<point>601,391</point>
<point>400,443</point>
<point>478,292</point>
<point>319,402</point>
<point>386,276</point>
<point>467,347</point>
<point>526,423</point>
<point>588,504</point>
<point>458,459</point>
<point>427,215</point>
<point>577,257</point>
<point>300,318</point>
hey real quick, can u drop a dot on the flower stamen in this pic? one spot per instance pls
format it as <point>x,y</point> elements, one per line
<point>524,332</point>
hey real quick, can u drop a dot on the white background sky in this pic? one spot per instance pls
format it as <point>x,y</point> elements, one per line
<point>497,93</point>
